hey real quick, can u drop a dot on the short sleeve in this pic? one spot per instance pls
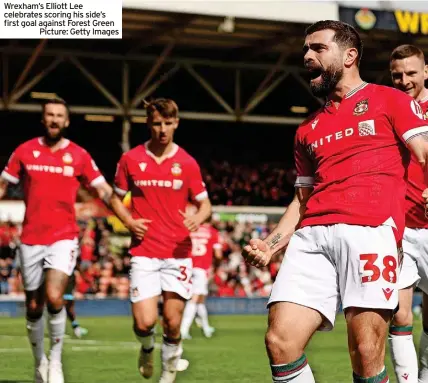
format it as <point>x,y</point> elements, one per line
<point>304,164</point>
<point>217,244</point>
<point>90,172</point>
<point>197,188</point>
<point>121,185</point>
<point>406,116</point>
<point>12,171</point>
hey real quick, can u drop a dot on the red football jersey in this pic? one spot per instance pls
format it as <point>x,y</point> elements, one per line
<point>158,193</point>
<point>416,184</point>
<point>50,181</point>
<point>204,241</point>
<point>355,158</point>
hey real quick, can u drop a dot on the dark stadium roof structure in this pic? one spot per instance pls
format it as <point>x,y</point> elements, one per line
<point>218,69</point>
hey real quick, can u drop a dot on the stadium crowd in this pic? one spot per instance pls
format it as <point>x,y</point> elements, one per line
<point>104,263</point>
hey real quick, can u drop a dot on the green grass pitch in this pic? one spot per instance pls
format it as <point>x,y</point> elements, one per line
<point>236,353</point>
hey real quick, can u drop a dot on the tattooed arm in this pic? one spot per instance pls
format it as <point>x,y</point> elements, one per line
<point>282,233</point>
<point>259,253</point>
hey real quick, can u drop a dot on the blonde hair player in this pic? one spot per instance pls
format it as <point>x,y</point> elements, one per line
<point>162,177</point>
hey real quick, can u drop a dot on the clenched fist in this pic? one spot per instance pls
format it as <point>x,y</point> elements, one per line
<point>257,253</point>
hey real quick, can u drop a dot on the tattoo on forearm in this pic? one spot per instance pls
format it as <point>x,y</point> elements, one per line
<point>274,241</point>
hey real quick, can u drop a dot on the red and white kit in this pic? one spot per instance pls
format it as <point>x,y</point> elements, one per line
<point>204,241</point>
<point>50,181</point>
<point>162,260</point>
<point>355,158</point>
<point>415,239</point>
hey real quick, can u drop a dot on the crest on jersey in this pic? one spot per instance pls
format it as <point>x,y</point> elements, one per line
<point>36,153</point>
<point>176,169</point>
<point>67,158</point>
<point>143,166</point>
<point>361,108</point>
<point>426,115</point>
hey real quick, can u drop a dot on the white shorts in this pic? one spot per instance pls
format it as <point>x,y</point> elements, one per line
<point>415,264</point>
<point>61,255</point>
<point>200,281</point>
<point>325,266</point>
<point>150,276</point>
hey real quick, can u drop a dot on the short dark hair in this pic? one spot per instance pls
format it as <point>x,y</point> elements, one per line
<point>345,35</point>
<point>405,51</point>
<point>57,101</point>
<point>167,108</point>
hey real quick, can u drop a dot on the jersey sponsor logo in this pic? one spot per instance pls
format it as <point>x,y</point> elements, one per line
<point>361,107</point>
<point>330,138</point>
<point>177,184</point>
<point>416,109</point>
<point>143,166</point>
<point>68,171</point>
<point>366,128</point>
<point>36,153</point>
<point>176,169</point>
<point>155,183</point>
<point>45,168</point>
<point>67,158</point>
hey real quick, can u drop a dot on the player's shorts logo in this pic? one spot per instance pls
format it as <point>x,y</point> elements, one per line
<point>361,108</point>
<point>134,292</point>
<point>67,158</point>
<point>176,169</point>
<point>366,128</point>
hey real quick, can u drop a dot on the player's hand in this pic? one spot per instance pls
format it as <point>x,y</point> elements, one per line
<point>139,227</point>
<point>257,253</point>
<point>425,197</point>
<point>190,221</point>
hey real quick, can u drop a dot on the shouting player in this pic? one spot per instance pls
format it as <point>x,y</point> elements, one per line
<point>351,160</point>
<point>205,245</point>
<point>409,72</point>
<point>162,177</point>
<point>50,168</point>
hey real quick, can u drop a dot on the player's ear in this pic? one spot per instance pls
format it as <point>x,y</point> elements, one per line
<point>177,122</point>
<point>351,56</point>
<point>426,72</point>
<point>67,123</point>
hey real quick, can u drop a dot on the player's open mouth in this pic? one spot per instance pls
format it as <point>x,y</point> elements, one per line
<point>314,73</point>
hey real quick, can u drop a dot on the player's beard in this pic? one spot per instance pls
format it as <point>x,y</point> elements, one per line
<point>54,138</point>
<point>330,77</point>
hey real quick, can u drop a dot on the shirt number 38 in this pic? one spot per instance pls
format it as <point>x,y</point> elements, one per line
<point>372,272</point>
